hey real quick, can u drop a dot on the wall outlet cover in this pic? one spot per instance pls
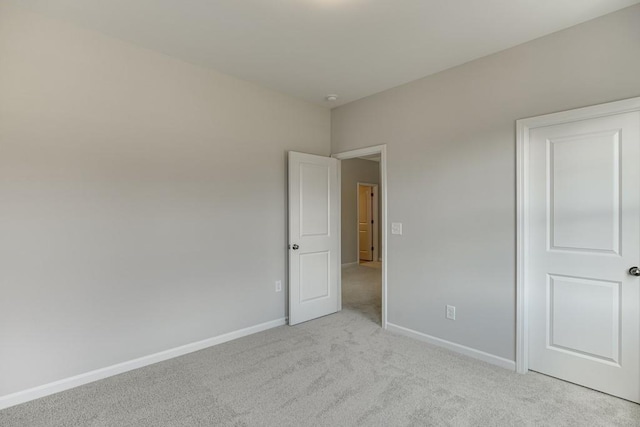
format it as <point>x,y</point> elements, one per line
<point>451,312</point>
<point>278,285</point>
<point>396,228</point>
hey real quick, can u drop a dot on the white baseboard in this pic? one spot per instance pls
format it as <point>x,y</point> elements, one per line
<point>348,264</point>
<point>98,374</point>
<point>458,348</point>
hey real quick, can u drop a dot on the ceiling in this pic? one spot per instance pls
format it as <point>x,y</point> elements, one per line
<point>311,48</point>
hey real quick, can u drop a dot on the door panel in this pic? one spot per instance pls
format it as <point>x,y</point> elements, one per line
<point>584,235</point>
<point>585,177</point>
<point>578,304</point>
<point>314,199</point>
<point>313,236</point>
<point>314,267</point>
<point>365,227</point>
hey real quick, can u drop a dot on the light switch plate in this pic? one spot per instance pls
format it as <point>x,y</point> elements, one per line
<point>396,228</point>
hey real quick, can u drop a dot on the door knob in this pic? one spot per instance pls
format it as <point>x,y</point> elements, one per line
<point>634,271</point>
<point>295,247</point>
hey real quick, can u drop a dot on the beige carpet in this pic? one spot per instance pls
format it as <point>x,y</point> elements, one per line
<point>340,370</point>
<point>373,264</point>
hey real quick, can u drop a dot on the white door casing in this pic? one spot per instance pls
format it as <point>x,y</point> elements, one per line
<point>375,216</point>
<point>365,222</point>
<point>580,235</point>
<point>313,237</point>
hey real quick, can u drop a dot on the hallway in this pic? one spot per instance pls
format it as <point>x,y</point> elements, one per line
<point>362,291</point>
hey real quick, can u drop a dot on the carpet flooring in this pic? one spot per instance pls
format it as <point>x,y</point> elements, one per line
<point>339,370</point>
<point>373,264</point>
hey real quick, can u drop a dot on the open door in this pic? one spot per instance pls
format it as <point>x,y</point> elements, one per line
<point>313,236</point>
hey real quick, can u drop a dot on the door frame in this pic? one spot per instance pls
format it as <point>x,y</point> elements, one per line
<point>351,154</point>
<point>374,216</point>
<point>523,126</point>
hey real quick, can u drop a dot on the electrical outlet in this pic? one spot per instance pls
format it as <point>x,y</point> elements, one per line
<point>278,285</point>
<point>396,228</point>
<point>451,312</point>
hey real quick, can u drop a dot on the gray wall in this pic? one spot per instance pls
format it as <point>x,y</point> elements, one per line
<point>143,200</point>
<point>451,169</point>
<point>352,172</point>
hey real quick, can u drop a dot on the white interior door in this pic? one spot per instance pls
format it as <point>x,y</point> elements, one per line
<point>365,222</point>
<point>313,236</point>
<point>584,236</point>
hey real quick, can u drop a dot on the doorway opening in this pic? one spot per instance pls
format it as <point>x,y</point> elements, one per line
<point>363,232</point>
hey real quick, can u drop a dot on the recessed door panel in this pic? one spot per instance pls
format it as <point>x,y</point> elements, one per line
<point>580,307</point>
<point>315,268</point>
<point>584,181</point>
<point>314,199</point>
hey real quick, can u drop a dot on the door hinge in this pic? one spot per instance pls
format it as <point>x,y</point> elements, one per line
<point>371,194</point>
<point>371,247</point>
<point>371,221</point>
